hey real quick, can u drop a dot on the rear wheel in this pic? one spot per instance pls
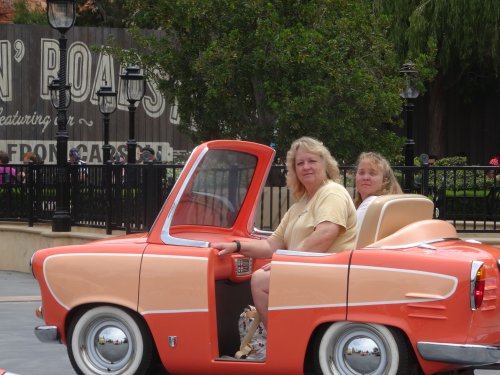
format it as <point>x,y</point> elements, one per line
<point>348,348</point>
<point>109,340</point>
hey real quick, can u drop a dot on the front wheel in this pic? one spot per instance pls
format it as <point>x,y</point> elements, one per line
<point>109,340</point>
<point>348,348</point>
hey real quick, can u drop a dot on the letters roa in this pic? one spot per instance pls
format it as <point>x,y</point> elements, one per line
<point>29,58</point>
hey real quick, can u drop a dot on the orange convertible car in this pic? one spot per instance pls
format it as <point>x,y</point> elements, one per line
<point>412,298</point>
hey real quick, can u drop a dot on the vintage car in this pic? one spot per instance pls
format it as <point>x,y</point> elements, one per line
<point>411,298</point>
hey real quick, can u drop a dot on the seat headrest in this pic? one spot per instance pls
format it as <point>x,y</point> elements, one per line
<point>388,213</point>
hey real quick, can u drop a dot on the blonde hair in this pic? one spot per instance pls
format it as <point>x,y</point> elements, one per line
<point>390,184</point>
<point>315,147</point>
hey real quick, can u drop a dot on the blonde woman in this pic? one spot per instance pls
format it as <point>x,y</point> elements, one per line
<point>374,177</point>
<point>323,219</point>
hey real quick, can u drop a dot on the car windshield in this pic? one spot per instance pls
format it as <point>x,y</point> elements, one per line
<point>217,189</point>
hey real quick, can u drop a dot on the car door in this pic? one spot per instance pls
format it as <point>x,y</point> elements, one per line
<point>214,199</point>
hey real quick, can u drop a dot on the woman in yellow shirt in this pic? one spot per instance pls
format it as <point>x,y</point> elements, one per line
<point>323,219</point>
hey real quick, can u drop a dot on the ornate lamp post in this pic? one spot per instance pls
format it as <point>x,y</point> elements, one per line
<point>133,88</point>
<point>107,105</point>
<point>55,92</point>
<point>409,93</point>
<point>61,16</point>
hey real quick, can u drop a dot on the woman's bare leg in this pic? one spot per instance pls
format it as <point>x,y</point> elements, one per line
<point>260,292</point>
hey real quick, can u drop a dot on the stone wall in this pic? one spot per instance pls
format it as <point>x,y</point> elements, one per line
<point>18,242</point>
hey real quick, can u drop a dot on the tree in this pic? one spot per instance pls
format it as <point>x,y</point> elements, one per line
<point>104,13</point>
<point>457,44</point>
<point>28,15</point>
<point>273,71</point>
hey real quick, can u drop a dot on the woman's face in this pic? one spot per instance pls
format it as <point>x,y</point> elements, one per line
<point>310,170</point>
<point>369,178</point>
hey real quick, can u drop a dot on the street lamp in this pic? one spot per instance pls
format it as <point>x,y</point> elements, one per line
<point>61,16</point>
<point>409,93</point>
<point>107,105</point>
<point>133,88</point>
<point>54,89</point>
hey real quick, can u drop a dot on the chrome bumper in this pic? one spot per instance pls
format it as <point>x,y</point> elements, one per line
<point>472,355</point>
<point>47,334</point>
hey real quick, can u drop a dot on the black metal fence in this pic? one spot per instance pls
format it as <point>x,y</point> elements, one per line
<point>128,197</point>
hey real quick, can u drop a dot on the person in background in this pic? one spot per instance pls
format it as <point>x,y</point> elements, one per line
<point>148,155</point>
<point>75,159</point>
<point>138,153</point>
<point>322,219</point>
<point>28,158</point>
<point>7,174</point>
<point>374,177</point>
<point>118,158</point>
<point>432,159</point>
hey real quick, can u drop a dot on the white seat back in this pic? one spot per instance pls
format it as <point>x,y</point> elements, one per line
<point>389,213</point>
<point>420,231</point>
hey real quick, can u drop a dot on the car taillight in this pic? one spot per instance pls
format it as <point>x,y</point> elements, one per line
<point>477,284</point>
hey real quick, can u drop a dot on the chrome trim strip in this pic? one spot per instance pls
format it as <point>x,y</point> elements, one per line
<point>304,307</point>
<point>260,232</point>
<point>47,334</point>
<point>179,311</point>
<point>165,236</point>
<point>31,264</point>
<point>424,244</point>
<point>190,257</point>
<point>303,253</point>
<point>476,265</point>
<point>472,355</point>
<point>470,240</point>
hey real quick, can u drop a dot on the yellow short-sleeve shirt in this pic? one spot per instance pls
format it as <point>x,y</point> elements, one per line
<point>331,203</point>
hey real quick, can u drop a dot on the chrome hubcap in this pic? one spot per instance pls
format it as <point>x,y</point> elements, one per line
<point>361,354</point>
<point>107,346</point>
<point>112,344</point>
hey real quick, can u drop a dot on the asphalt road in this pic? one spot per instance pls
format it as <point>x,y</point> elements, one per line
<point>20,350</point>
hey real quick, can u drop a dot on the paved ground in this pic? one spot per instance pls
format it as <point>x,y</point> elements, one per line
<point>20,350</point>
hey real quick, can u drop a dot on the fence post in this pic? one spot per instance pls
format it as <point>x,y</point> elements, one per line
<point>128,196</point>
<point>150,195</point>
<point>30,182</point>
<point>425,179</point>
<point>107,188</point>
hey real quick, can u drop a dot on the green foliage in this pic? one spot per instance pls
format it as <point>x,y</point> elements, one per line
<point>273,71</point>
<point>458,38</point>
<point>461,180</point>
<point>26,16</point>
<point>451,161</point>
<point>465,182</point>
<point>475,37</point>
